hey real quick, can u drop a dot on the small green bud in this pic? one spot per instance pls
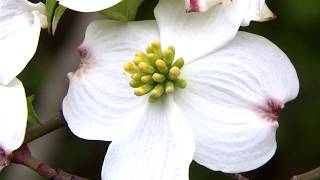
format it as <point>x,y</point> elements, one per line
<point>137,60</point>
<point>152,99</point>
<point>174,72</point>
<point>179,63</point>
<point>134,83</point>
<point>158,77</point>
<point>136,76</point>
<point>172,49</point>
<point>161,66</point>
<point>130,68</point>
<point>146,68</point>
<point>157,91</point>
<point>181,83</point>
<point>147,79</point>
<point>140,54</point>
<point>169,87</point>
<point>156,45</point>
<point>152,58</point>
<point>142,90</point>
<point>150,49</point>
<point>168,56</point>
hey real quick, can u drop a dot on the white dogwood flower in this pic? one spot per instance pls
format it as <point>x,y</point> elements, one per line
<point>257,10</point>
<point>20,25</point>
<point>13,118</point>
<point>88,5</point>
<point>205,95</point>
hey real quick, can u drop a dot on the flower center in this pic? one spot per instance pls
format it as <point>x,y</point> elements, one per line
<point>155,72</point>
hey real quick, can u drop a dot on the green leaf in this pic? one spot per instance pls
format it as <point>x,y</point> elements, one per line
<point>32,115</point>
<point>51,5</point>
<point>57,16</point>
<point>126,10</point>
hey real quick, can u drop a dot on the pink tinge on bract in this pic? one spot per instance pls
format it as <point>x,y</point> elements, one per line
<point>192,6</point>
<point>86,62</point>
<point>83,52</point>
<point>4,161</point>
<point>201,5</point>
<point>270,111</point>
<point>85,56</point>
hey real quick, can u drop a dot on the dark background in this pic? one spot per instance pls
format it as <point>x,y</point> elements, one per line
<point>295,31</point>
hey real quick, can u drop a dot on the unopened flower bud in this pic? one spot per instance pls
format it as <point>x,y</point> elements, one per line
<point>158,77</point>
<point>174,72</point>
<point>161,66</point>
<point>169,87</point>
<point>142,90</point>
<point>179,63</point>
<point>146,68</point>
<point>147,79</point>
<point>157,91</point>
<point>181,83</point>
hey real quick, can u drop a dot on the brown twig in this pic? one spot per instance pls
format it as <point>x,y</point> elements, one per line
<point>45,128</point>
<point>24,157</point>
<point>239,177</point>
<point>310,175</point>
<point>236,176</point>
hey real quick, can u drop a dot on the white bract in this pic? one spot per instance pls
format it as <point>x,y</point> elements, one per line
<point>226,117</point>
<point>257,10</point>
<point>13,118</point>
<point>88,5</point>
<point>20,25</point>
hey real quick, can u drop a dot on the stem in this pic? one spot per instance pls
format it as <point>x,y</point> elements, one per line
<point>310,175</point>
<point>23,156</point>
<point>45,128</point>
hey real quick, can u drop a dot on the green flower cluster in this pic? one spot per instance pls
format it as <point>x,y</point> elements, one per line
<point>155,72</point>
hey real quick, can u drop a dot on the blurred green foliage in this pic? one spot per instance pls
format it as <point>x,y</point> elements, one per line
<point>32,115</point>
<point>126,10</point>
<point>295,31</point>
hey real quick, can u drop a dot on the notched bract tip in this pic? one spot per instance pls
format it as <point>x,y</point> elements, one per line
<point>270,111</point>
<point>202,5</point>
<point>86,62</point>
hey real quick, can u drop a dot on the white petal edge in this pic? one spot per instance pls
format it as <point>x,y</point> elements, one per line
<point>88,5</point>
<point>100,103</point>
<point>160,147</point>
<point>226,102</point>
<point>197,34</point>
<point>20,25</point>
<point>258,11</point>
<point>13,115</point>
